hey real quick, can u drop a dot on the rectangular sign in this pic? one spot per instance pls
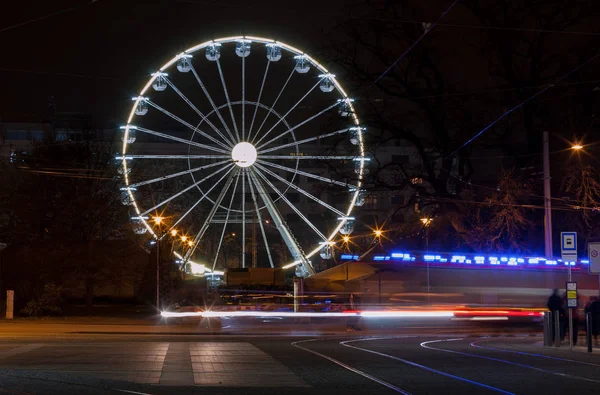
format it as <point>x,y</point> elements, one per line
<point>568,246</point>
<point>594,256</point>
<point>571,294</point>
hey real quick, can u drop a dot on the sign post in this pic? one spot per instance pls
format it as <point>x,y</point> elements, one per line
<point>568,252</point>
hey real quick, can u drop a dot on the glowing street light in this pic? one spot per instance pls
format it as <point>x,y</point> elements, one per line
<point>190,243</point>
<point>184,238</point>
<point>346,239</point>
<point>174,232</point>
<point>158,220</point>
<point>426,222</point>
<point>378,232</point>
<point>577,146</point>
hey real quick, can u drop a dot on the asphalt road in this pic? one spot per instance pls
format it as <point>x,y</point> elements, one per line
<point>410,361</point>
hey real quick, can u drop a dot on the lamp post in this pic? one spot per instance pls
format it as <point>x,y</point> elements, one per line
<point>426,222</point>
<point>158,221</point>
<point>548,217</point>
<point>547,195</point>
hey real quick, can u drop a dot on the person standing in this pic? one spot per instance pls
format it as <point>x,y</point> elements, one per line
<point>594,308</point>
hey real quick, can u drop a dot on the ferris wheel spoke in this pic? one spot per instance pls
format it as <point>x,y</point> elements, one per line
<point>187,189</point>
<point>204,118</point>
<point>284,230</point>
<point>204,194</point>
<point>295,143</point>
<point>173,157</point>
<point>306,174</point>
<point>209,217</point>
<point>243,218</point>
<point>302,191</point>
<point>308,157</point>
<point>298,125</point>
<point>172,175</point>
<point>184,123</point>
<point>289,111</point>
<point>212,103</point>
<point>237,179</point>
<point>237,133</point>
<point>274,103</point>
<point>260,222</point>
<point>243,98</point>
<point>296,210</point>
<point>178,139</point>
<point>262,85</point>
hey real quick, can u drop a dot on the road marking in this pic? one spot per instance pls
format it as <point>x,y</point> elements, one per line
<point>424,345</point>
<point>344,343</point>
<point>475,344</point>
<point>20,350</point>
<point>177,367</point>
<point>131,392</point>
<point>350,368</point>
<point>239,364</point>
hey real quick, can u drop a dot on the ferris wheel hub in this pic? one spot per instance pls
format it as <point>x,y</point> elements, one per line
<point>244,154</point>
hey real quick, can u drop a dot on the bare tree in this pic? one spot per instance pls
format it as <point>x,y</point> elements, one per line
<point>484,59</point>
<point>583,181</point>
<point>499,224</point>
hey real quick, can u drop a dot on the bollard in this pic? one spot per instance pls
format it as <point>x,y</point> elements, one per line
<point>10,301</point>
<point>547,328</point>
<point>556,328</point>
<point>588,331</point>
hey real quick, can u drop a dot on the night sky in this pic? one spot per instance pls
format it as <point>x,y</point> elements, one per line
<point>95,55</point>
<point>92,56</point>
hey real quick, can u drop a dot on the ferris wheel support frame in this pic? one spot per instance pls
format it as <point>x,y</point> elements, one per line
<point>288,239</point>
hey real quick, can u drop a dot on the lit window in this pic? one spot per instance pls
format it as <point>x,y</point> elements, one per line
<point>371,201</point>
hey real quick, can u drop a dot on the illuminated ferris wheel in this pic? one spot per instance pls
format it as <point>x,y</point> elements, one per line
<point>243,136</point>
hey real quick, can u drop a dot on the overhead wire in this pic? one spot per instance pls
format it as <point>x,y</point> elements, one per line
<point>47,16</point>
<point>521,104</point>
<point>286,9</point>
<point>496,203</point>
<point>482,92</point>
<point>430,28</point>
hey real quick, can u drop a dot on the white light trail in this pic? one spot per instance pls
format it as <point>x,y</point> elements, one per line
<point>364,314</point>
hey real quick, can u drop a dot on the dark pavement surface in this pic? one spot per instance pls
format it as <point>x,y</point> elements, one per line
<point>409,360</point>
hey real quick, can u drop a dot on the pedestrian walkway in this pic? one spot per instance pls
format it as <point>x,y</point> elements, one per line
<point>223,364</point>
<point>238,364</point>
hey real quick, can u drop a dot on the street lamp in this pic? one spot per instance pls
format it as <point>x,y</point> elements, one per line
<point>426,222</point>
<point>547,195</point>
<point>158,221</point>
<point>548,215</point>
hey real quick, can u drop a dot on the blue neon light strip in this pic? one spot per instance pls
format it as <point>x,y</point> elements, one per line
<point>349,257</point>
<point>480,260</point>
